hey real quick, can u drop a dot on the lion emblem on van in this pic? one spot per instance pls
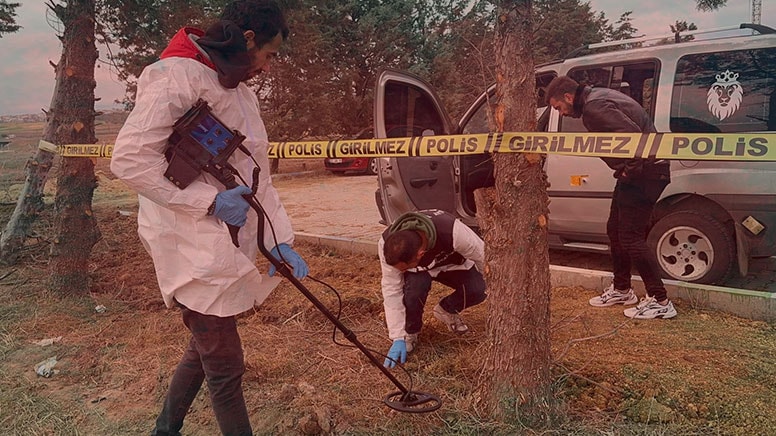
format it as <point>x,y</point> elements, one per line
<point>725,95</point>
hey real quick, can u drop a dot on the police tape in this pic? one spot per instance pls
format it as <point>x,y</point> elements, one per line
<point>676,146</point>
<point>78,150</point>
<point>673,146</point>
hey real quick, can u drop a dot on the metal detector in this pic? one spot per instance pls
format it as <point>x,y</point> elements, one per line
<point>200,142</point>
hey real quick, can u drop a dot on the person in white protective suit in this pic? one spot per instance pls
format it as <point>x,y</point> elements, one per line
<point>198,268</point>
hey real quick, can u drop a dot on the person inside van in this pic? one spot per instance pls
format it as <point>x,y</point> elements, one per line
<point>418,248</point>
<point>639,185</point>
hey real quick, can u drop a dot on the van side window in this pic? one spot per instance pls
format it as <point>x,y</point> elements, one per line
<point>637,80</point>
<point>478,123</point>
<point>410,112</point>
<point>542,81</point>
<point>725,92</point>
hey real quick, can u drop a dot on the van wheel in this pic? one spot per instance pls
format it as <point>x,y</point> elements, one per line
<point>693,248</point>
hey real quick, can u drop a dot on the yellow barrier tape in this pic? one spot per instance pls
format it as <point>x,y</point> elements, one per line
<point>675,146</point>
<point>78,150</point>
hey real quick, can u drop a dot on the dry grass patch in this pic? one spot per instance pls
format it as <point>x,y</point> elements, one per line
<point>700,373</point>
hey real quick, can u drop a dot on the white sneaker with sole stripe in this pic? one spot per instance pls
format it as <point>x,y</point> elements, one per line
<point>410,341</point>
<point>612,296</point>
<point>649,308</point>
<point>453,321</point>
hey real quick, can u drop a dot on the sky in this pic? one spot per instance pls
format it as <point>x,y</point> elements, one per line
<point>27,79</point>
<point>652,17</point>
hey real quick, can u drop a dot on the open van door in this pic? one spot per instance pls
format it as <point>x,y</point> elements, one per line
<point>405,106</point>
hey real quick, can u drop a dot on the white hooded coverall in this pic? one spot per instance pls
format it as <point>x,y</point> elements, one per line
<point>195,260</point>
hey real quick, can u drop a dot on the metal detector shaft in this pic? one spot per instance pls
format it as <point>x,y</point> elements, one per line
<point>283,269</point>
<point>202,143</point>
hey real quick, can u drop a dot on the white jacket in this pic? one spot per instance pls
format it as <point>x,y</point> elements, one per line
<point>195,260</point>
<point>465,242</point>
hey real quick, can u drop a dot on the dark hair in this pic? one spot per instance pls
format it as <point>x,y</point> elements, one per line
<point>263,17</point>
<point>560,86</point>
<point>402,246</point>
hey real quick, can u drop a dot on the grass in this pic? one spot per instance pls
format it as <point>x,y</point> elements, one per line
<point>707,373</point>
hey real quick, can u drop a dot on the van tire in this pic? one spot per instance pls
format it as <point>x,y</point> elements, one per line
<point>693,248</point>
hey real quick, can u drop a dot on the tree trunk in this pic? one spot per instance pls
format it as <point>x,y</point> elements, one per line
<point>73,113</point>
<point>28,205</point>
<point>515,384</point>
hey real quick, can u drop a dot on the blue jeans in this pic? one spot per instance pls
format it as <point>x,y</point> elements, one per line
<point>629,219</point>
<point>469,291</point>
<point>214,354</point>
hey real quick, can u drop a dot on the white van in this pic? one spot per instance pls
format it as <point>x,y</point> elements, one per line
<point>713,216</point>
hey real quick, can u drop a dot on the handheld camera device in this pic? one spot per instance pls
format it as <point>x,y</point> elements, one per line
<point>201,142</point>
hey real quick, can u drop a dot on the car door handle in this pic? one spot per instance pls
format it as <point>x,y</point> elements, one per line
<point>418,183</point>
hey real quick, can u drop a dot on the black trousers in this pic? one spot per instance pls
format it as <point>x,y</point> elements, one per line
<point>469,290</point>
<point>629,217</point>
<point>214,354</point>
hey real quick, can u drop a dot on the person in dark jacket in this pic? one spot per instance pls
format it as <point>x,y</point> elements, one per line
<point>639,185</point>
<point>418,248</point>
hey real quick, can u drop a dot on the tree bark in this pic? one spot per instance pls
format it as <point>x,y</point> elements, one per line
<point>515,383</point>
<point>72,111</point>
<point>28,205</point>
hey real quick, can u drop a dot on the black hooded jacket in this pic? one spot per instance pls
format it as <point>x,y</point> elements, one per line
<point>608,110</point>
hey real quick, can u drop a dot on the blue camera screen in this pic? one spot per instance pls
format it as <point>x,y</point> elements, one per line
<point>211,135</point>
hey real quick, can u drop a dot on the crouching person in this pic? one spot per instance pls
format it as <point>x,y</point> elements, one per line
<point>418,248</point>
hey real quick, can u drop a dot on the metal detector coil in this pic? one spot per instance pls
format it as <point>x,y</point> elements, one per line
<point>412,402</point>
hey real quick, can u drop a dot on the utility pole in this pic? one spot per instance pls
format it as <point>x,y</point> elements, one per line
<point>756,11</point>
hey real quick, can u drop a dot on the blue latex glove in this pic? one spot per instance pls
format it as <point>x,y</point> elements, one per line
<point>231,207</point>
<point>397,353</point>
<point>291,258</point>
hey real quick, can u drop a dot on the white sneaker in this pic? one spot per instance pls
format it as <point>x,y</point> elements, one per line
<point>453,321</point>
<point>612,296</point>
<point>410,341</point>
<point>649,308</point>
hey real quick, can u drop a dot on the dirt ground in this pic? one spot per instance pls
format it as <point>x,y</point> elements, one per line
<point>700,373</point>
<point>116,346</point>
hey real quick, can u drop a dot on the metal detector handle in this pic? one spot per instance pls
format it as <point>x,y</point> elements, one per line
<point>224,173</point>
<point>234,230</point>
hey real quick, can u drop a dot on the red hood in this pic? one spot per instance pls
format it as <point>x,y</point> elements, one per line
<point>181,46</point>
